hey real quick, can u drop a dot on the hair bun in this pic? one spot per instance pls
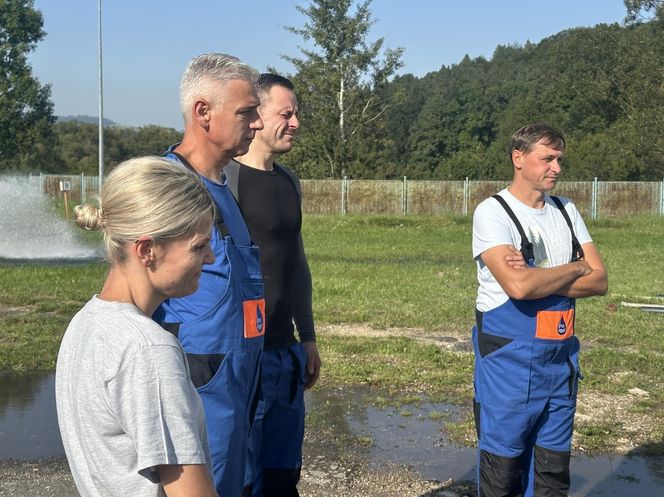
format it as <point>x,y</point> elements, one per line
<point>88,217</point>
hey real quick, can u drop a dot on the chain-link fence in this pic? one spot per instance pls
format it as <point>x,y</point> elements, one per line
<point>594,199</point>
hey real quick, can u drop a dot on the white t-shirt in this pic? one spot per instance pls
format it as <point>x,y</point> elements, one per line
<point>125,401</point>
<point>545,228</point>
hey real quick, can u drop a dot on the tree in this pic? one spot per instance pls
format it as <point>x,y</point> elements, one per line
<point>601,86</point>
<point>639,10</point>
<point>26,112</point>
<point>78,145</point>
<point>341,89</point>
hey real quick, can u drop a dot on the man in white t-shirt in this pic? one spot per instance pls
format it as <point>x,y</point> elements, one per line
<point>526,353</point>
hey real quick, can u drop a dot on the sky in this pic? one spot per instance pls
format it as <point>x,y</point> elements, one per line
<point>147,43</point>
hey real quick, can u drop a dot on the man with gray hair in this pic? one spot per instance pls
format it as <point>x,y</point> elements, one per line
<point>221,326</point>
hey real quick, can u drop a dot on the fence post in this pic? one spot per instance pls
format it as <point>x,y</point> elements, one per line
<point>593,200</point>
<point>466,188</point>
<point>404,196</point>
<point>82,188</point>
<point>344,195</point>
<point>41,183</point>
<point>661,198</point>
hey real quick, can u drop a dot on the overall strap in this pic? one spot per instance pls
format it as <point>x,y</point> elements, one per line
<point>577,251</point>
<point>219,220</point>
<point>526,245</point>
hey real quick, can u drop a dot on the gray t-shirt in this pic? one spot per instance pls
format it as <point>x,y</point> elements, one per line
<point>125,402</point>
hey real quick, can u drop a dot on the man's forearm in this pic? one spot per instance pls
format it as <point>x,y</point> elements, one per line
<point>536,283</point>
<point>301,296</point>
<point>302,305</point>
<point>595,283</point>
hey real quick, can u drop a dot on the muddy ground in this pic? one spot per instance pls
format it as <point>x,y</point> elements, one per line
<point>345,471</point>
<point>350,476</point>
<point>333,465</point>
<point>592,407</point>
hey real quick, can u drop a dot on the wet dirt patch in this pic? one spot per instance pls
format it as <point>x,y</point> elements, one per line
<point>448,340</point>
<point>607,423</point>
<point>387,481</point>
<point>45,477</point>
<point>359,448</point>
<point>355,446</point>
<point>359,442</point>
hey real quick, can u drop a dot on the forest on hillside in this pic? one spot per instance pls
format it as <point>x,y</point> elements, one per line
<point>602,86</point>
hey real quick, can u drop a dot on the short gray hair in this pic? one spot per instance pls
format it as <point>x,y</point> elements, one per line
<point>146,196</point>
<point>210,69</point>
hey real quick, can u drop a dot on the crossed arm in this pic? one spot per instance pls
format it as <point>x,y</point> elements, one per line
<point>582,278</point>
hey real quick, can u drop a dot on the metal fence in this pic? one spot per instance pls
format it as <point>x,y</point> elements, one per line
<point>594,199</point>
<point>81,187</point>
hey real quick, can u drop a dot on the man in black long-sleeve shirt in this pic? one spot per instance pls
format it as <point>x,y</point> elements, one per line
<point>270,198</point>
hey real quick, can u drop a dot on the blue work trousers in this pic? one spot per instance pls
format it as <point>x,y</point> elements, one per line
<point>526,377</point>
<point>275,447</point>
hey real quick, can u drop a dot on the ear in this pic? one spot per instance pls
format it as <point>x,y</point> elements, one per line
<point>144,249</point>
<point>517,157</point>
<point>202,112</point>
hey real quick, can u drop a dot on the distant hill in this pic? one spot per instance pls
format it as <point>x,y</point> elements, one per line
<point>85,119</point>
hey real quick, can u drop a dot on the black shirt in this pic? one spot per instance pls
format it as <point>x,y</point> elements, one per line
<point>271,207</point>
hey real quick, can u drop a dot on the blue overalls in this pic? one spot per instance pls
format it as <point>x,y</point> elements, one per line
<point>275,448</point>
<point>526,376</point>
<point>221,328</point>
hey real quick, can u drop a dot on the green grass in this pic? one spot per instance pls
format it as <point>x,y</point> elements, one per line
<point>397,366</point>
<point>417,272</point>
<point>385,271</point>
<point>36,304</point>
<point>405,272</point>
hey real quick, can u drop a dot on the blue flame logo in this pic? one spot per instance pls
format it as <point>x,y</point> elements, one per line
<point>259,319</point>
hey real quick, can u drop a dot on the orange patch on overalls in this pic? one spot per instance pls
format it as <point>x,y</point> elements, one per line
<point>254,318</point>
<point>555,325</point>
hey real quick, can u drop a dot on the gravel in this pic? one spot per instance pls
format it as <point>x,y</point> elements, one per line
<point>350,477</point>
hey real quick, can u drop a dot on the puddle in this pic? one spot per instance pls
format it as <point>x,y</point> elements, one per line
<point>28,421</point>
<point>413,435</point>
<point>617,476</point>
<point>340,422</point>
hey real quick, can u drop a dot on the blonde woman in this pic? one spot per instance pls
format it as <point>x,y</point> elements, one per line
<point>130,419</point>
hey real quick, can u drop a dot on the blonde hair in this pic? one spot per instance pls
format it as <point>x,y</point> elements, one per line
<point>146,196</point>
<point>207,70</point>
